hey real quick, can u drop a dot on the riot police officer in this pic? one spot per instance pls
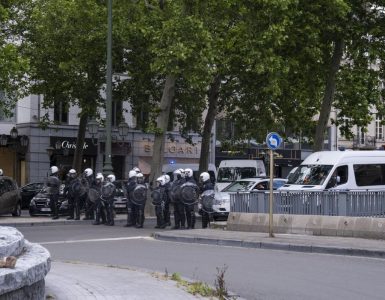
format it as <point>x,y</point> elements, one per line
<point>88,181</point>
<point>131,208</point>
<point>167,186</point>
<point>99,205</point>
<point>72,195</point>
<point>108,193</point>
<point>158,196</point>
<point>139,198</point>
<point>189,208</point>
<point>206,185</point>
<point>53,184</point>
<point>179,216</point>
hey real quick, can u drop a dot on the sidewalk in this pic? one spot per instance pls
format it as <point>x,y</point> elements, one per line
<point>71,281</point>
<point>286,242</point>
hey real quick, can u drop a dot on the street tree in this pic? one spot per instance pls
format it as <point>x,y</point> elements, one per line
<point>13,66</point>
<point>65,41</point>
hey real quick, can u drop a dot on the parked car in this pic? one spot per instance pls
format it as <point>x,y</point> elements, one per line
<point>40,204</point>
<point>10,199</point>
<point>221,206</point>
<point>29,191</point>
<point>120,200</point>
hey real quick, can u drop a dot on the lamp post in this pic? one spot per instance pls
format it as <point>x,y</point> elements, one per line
<point>107,167</point>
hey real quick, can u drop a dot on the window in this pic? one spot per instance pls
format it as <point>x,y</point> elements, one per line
<point>60,114</point>
<point>117,112</point>
<point>340,176</point>
<point>379,128</point>
<point>367,175</point>
<point>231,174</point>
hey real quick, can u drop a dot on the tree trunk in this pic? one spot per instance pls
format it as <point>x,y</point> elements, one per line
<point>327,101</point>
<point>78,156</point>
<point>162,122</point>
<point>213,95</point>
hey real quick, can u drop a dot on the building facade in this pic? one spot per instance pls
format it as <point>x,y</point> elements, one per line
<point>55,144</point>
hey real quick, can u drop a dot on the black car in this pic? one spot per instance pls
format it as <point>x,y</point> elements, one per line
<point>120,200</point>
<point>40,204</point>
<point>29,191</point>
<point>10,199</point>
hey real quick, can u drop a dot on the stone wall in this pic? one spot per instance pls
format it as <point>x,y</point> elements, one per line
<point>359,227</point>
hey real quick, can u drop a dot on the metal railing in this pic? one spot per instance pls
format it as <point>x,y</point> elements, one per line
<point>336,203</point>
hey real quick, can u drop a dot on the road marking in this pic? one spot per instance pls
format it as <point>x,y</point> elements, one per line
<point>98,240</point>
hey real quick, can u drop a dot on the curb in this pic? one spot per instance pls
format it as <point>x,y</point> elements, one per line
<point>273,246</point>
<point>54,223</point>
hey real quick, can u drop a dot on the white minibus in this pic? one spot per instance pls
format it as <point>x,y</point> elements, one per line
<point>339,170</point>
<point>233,170</point>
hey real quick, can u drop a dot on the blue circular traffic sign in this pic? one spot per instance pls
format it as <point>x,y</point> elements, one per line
<point>273,140</point>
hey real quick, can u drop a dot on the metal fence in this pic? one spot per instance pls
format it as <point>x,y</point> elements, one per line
<point>357,203</point>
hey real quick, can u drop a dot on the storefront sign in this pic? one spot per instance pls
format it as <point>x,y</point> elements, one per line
<point>173,150</point>
<point>69,143</point>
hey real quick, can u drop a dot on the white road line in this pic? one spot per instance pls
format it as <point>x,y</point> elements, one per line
<point>98,240</point>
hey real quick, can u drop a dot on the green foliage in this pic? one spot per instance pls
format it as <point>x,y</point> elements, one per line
<point>12,65</point>
<point>71,65</point>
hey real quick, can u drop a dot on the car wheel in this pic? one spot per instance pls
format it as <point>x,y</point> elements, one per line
<point>17,210</point>
<point>31,213</point>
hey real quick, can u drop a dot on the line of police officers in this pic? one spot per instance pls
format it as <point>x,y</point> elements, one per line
<point>97,193</point>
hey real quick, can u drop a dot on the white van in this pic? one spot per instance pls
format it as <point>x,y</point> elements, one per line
<point>340,170</point>
<point>170,168</point>
<point>232,170</point>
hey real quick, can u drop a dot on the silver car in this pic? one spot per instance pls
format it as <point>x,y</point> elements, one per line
<point>221,205</point>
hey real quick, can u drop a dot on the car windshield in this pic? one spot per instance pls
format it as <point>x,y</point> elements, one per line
<point>239,186</point>
<point>231,174</point>
<point>119,192</point>
<point>310,174</point>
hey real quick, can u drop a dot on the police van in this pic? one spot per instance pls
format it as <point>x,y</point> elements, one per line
<point>339,170</point>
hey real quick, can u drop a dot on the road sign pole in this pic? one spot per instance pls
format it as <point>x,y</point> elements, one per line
<point>273,141</point>
<point>271,234</point>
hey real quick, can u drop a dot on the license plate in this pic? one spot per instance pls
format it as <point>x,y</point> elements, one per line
<point>45,209</point>
<point>120,206</point>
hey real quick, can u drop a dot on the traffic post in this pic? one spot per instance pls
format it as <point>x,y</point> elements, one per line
<point>273,142</point>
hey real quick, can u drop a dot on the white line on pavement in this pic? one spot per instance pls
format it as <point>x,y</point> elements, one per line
<point>98,240</point>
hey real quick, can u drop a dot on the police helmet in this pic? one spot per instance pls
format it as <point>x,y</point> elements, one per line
<point>204,177</point>
<point>111,178</point>
<point>54,170</point>
<point>161,180</point>
<point>132,173</point>
<point>99,177</point>
<point>166,178</point>
<point>72,173</point>
<point>88,172</point>
<point>188,173</point>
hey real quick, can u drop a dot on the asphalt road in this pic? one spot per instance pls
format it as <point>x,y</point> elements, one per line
<point>251,273</point>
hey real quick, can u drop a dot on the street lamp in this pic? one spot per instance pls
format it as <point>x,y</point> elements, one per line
<point>14,133</point>
<point>93,128</point>
<point>107,167</point>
